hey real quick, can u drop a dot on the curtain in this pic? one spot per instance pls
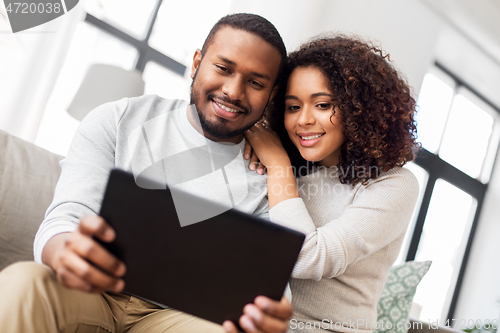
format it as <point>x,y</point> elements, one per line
<point>30,62</point>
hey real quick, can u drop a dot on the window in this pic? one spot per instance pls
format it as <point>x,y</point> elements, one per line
<point>131,16</point>
<point>459,132</point>
<point>467,134</point>
<point>443,240</point>
<point>89,45</point>
<point>434,101</point>
<point>189,31</point>
<point>422,176</point>
<point>155,37</point>
<point>164,83</point>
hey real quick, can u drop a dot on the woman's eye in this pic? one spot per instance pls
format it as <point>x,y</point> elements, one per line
<point>324,106</point>
<point>293,108</point>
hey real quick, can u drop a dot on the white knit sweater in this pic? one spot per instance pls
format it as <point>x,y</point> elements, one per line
<point>353,236</point>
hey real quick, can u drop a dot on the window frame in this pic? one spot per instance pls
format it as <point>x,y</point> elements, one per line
<point>145,52</point>
<point>437,168</point>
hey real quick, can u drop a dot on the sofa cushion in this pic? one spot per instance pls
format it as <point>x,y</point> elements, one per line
<point>28,175</point>
<point>395,302</point>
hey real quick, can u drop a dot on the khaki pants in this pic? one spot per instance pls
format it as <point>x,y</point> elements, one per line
<point>32,300</point>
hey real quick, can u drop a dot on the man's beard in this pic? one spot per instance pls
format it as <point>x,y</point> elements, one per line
<point>216,129</point>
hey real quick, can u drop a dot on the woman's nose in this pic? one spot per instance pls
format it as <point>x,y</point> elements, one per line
<point>306,117</point>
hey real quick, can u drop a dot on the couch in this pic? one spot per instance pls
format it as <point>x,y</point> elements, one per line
<point>28,176</point>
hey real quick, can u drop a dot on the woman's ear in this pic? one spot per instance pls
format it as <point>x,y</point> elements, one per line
<point>196,62</point>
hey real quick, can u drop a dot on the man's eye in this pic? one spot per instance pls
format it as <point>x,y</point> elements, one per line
<point>222,68</point>
<point>257,84</point>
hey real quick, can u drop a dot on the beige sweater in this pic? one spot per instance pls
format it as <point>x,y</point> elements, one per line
<point>353,236</point>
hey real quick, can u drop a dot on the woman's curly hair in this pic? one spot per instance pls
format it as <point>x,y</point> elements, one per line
<point>375,104</point>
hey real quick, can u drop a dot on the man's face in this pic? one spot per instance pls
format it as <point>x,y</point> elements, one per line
<point>233,84</point>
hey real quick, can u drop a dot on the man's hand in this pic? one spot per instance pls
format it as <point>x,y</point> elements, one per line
<point>264,316</point>
<point>82,263</point>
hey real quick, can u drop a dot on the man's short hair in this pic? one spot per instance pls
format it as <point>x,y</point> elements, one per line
<point>253,24</point>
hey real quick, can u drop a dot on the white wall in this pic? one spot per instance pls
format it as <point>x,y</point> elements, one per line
<point>296,20</point>
<point>466,60</point>
<point>395,25</point>
<point>480,295</point>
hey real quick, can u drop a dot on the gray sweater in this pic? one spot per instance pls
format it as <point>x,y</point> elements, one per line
<point>151,137</point>
<point>353,236</point>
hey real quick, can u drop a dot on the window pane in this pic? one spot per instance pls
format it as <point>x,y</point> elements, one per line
<point>422,175</point>
<point>434,103</point>
<point>444,238</point>
<point>89,45</point>
<point>130,16</point>
<point>491,153</point>
<point>467,135</point>
<point>178,34</point>
<point>165,83</point>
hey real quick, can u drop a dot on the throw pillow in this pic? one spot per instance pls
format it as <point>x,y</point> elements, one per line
<point>395,302</point>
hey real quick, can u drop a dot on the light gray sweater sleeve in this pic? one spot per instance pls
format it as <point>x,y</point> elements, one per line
<point>379,214</point>
<point>84,174</point>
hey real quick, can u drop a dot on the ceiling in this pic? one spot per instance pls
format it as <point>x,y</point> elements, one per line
<point>477,20</point>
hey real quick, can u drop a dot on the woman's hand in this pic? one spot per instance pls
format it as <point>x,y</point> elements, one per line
<point>266,147</point>
<point>281,184</point>
<point>254,159</point>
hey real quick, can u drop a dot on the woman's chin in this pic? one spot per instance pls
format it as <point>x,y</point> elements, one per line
<point>310,158</point>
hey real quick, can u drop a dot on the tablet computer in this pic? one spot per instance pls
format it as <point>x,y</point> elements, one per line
<point>210,269</point>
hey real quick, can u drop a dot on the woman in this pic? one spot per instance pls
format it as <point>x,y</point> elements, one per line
<point>348,128</point>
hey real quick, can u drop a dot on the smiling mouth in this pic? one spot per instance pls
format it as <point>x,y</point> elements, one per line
<point>226,112</point>
<point>226,108</point>
<point>311,137</point>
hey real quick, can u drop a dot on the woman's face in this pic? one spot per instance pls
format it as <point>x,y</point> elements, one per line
<point>308,117</point>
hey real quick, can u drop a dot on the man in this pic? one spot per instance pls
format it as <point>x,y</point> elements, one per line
<point>235,75</point>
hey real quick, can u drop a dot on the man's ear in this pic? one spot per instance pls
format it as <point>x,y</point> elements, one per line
<point>271,96</point>
<point>196,62</point>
